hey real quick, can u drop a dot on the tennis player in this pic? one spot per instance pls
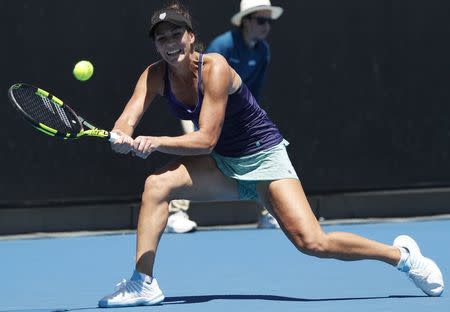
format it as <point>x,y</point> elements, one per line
<point>236,153</point>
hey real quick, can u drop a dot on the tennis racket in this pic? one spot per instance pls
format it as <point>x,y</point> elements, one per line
<point>51,116</point>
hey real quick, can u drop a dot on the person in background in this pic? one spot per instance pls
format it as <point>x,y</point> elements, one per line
<point>248,53</point>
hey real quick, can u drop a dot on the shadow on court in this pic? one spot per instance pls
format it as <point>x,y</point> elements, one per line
<point>202,299</point>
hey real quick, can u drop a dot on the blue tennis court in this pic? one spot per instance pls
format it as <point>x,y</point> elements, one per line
<point>219,270</point>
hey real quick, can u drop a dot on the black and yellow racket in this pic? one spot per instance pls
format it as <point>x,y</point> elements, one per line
<point>51,116</point>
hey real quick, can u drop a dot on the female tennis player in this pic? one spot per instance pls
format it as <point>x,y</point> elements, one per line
<point>236,153</point>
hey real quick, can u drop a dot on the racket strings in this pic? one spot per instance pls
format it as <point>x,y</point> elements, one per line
<point>61,113</point>
<point>44,111</point>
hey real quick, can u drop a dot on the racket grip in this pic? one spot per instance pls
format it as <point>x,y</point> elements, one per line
<point>113,137</point>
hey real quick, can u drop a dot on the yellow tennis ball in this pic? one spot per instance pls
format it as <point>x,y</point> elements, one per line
<point>83,70</point>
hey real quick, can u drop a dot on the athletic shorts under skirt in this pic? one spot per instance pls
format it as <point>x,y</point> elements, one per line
<point>268,165</point>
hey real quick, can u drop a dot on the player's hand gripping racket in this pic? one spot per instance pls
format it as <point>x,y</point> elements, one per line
<point>50,115</point>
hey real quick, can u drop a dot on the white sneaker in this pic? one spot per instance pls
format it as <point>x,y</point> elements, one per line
<point>135,292</point>
<point>421,270</point>
<point>179,222</point>
<point>267,221</point>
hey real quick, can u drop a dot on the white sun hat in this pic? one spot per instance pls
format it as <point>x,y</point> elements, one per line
<point>250,6</point>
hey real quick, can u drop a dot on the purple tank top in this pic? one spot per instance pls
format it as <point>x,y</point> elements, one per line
<point>246,129</point>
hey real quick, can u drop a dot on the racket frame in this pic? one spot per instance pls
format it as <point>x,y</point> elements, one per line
<point>91,130</point>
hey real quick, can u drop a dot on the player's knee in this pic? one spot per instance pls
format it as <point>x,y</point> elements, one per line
<point>156,186</point>
<point>314,244</point>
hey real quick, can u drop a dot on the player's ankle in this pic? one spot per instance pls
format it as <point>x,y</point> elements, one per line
<point>403,264</point>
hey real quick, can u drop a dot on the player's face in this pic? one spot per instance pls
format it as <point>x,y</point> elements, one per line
<point>258,24</point>
<point>172,42</point>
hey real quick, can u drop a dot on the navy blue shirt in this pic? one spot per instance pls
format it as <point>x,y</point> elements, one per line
<point>249,63</point>
<point>246,128</point>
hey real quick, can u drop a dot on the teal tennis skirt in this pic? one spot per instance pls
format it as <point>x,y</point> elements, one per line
<point>268,165</point>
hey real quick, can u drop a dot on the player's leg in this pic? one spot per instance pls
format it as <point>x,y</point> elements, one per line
<point>288,203</point>
<point>195,178</point>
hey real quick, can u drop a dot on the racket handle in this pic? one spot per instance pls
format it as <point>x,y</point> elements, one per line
<point>113,137</point>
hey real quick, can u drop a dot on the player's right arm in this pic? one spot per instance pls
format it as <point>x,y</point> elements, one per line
<point>148,86</point>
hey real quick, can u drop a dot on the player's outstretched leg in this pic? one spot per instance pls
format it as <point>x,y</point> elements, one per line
<point>290,206</point>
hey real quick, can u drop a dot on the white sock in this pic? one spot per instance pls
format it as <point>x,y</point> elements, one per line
<point>141,276</point>
<point>403,264</point>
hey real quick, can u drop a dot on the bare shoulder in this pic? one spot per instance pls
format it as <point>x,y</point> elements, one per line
<point>157,68</point>
<point>216,68</point>
<point>154,77</point>
<point>215,61</point>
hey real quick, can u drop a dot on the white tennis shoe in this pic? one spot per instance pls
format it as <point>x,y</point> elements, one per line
<point>267,221</point>
<point>179,222</point>
<point>423,271</point>
<point>134,292</point>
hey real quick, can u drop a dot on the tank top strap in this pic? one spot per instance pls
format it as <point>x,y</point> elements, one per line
<point>166,80</point>
<point>199,75</point>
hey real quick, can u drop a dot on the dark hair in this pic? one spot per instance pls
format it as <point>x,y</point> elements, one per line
<point>180,9</point>
<point>176,6</point>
